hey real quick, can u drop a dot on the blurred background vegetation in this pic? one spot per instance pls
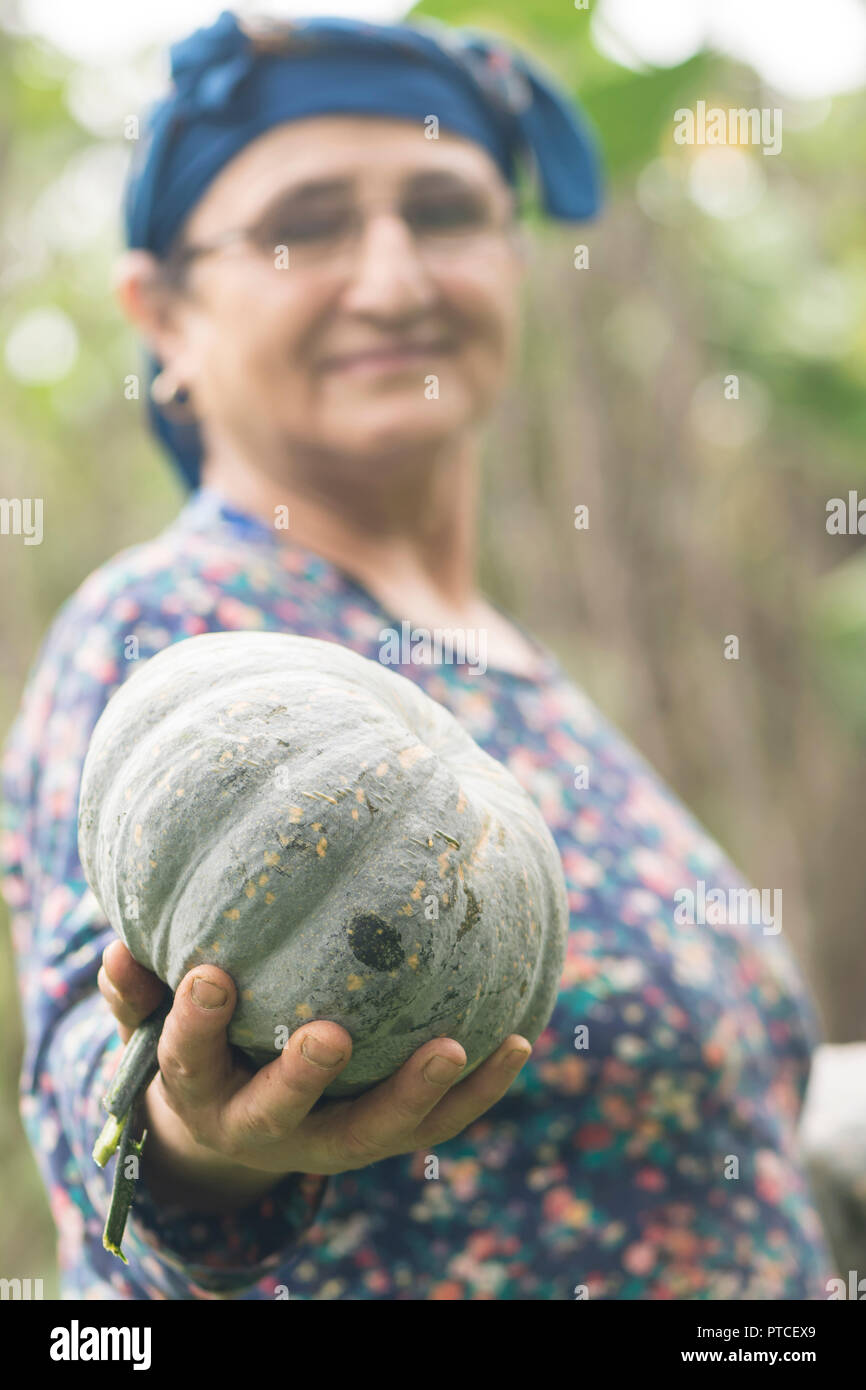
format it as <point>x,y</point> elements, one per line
<point>707,515</point>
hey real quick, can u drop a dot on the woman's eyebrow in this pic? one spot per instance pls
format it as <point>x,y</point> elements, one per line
<point>443,181</point>
<point>311,188</point>
<point>435,181</point>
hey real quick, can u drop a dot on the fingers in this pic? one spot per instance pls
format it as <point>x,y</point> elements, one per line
<point>131,991</point>
<point>385,1120</point>
<point>488,1084</point>
<point>195,1060</point>
<point>273,1102</point>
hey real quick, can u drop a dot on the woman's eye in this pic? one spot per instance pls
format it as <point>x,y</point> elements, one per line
<point>446,214</point>
<point>307,226</point>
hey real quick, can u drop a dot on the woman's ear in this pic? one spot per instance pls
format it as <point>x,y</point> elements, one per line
<point>147,301</point>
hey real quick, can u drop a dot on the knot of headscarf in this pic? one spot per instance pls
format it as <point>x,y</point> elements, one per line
<point>207,66</point>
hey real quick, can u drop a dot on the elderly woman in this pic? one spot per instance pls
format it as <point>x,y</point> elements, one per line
<point>325,264</point>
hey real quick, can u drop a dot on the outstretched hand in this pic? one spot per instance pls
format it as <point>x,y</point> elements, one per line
<point>221,1129</point>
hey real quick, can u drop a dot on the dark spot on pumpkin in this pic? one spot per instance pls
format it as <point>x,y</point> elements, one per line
<point>404,1024</point>
<point>472,915</point>
<point>375,943</point>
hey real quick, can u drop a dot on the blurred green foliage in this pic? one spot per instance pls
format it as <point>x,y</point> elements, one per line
<point>707,516</point>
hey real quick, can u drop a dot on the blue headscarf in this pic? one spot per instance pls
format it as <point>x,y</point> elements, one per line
<point>236,79</point>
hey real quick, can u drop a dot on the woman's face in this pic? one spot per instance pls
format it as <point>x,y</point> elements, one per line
<point>349,329</point>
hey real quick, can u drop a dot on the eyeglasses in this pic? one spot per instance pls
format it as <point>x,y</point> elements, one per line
<point>322,224</point>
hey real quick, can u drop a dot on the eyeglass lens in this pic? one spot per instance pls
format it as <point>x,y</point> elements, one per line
<point>319,219</point>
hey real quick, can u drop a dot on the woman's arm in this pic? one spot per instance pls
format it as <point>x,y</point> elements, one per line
<point>235,1164</point>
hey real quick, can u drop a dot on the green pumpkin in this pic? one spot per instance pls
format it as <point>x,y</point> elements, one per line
<point>317,826</point>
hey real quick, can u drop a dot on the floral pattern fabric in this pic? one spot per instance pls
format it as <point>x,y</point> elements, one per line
<point>648,1150</point>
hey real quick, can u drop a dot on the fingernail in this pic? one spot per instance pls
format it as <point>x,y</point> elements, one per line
<point>111,985</point>
<point>208,995</point>
<point>516,1058</point>
<point>119,1001</point>
<point>108,977</point>
<point>441,1070</point>
<point>320,1052</point>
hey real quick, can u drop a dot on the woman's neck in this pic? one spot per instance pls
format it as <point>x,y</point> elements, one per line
<point>404,530</point>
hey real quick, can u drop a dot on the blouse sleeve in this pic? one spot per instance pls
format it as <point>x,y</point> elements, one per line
<point>71,1042</point>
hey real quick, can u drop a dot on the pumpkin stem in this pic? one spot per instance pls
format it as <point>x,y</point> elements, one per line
<point>138,1067</point>
<point>123,1189</point>
<point>108,1140</point>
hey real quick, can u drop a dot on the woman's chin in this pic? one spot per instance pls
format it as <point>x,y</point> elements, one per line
<point>397,432</point>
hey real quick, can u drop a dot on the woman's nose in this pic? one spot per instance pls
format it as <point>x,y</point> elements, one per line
<point>388,274</point>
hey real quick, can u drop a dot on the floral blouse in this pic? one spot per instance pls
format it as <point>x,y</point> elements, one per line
<point>648,1149</point>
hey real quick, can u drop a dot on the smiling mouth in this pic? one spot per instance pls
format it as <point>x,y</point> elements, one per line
<point>395,358</point>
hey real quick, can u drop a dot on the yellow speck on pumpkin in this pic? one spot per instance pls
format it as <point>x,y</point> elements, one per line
<point>271,858</point>
<point>137,834</point>
<point>303,1011</point>
<point>283,839</point>
<point>461,803</point>
<point>227,756</point>
<point>239,704</point>
<point>354,982</point>
<point>232,914</point>
<point>316,825</point>
<point>263,878</point>
<point>270,898</point>
<point>296,815</point>
<point>248,994</point>
<point>482,842</point>
<point>354,813</point>
<point>381,769</point>
<point>196,753</point>
<point>321,847</point>
<point>410,756</point>
<point>416,891</point>
<point>153,863</point>
<point>359,794</point>
<point>250,890</point>
<point>407,910</point>
<point>128,794</point>
<point>442,861</point>
<point>412,961</point>
<point>180,792</point>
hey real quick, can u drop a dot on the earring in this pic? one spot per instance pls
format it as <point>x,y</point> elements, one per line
<point>172,399</point>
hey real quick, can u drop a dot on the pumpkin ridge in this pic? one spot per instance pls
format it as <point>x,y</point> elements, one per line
<point>247,821</point>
